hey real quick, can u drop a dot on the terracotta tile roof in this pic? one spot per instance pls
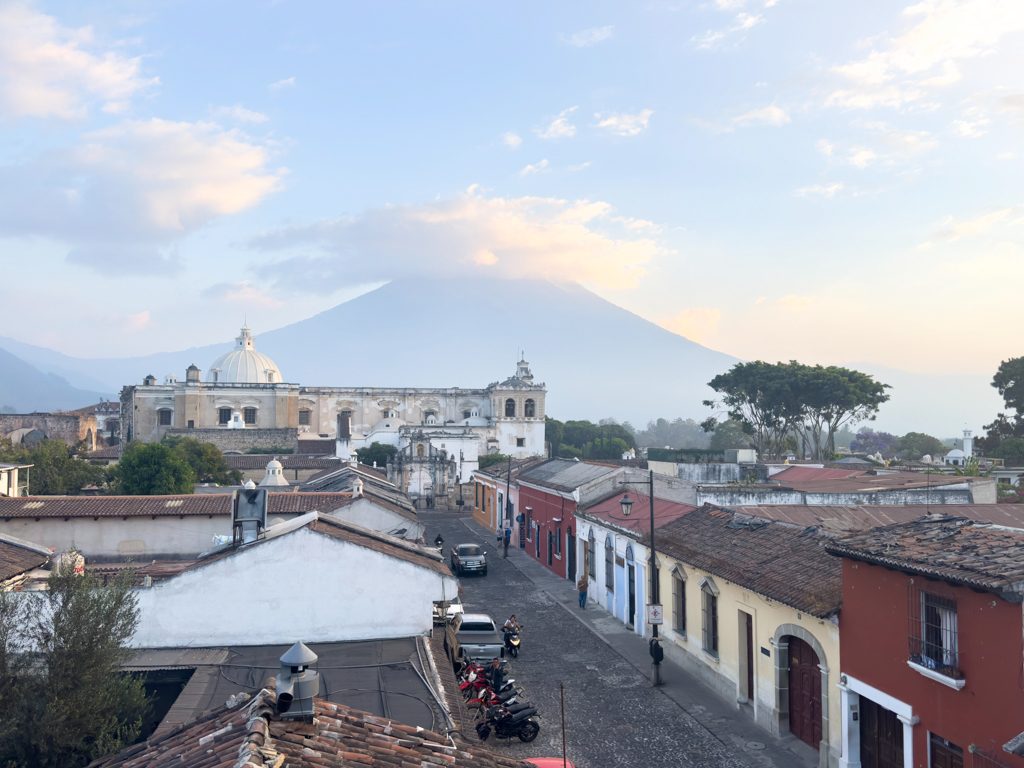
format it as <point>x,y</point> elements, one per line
<point>869,483</point>
<point>861,517</point>
<point>943,547</point>
<point>161,506</point>
<point>610,510</point>
<point>108,452</point>
<point>251,733</point>
<point>288,461</point>
<point>776,560</point>
<point>18,556</point>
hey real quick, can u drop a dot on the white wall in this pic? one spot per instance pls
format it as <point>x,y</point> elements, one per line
<point>366,513</point>
<point>302,584</point>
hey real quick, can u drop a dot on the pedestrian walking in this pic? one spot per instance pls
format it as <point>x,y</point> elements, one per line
<point>582,585</point>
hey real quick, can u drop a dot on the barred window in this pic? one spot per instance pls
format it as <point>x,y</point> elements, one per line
<point>529,410</point>
<point>165,417</point>
<point>249,415</point>
<point>933,632</point>
<point>609,564</point>
<point>304,417</point>
<point>710,624</point>
<point>592,556</point>
<point>224,415</point>
<point>678,605</point>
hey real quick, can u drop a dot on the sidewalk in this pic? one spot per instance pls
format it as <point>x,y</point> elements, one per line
<point>720,717</point>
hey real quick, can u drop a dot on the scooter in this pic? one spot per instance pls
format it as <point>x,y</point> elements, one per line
<point>513,641</point>
<point>507,724</point>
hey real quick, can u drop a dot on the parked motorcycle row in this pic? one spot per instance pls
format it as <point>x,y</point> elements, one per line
<point>502,711</point>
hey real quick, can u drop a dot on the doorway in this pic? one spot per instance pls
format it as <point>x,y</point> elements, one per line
<point>570,545</point>
<point>945,754</point>
<point>631,615</point>
<point>551,547</point>
<point>747,656</point>
<point>805,693</point>
<point>881,736</point>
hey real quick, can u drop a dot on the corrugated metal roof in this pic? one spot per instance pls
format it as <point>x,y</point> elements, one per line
<point>862,517</point>
<point>639,519</point>
<point>161,506</point>
<point>564,474</point>
<point>797,474</point>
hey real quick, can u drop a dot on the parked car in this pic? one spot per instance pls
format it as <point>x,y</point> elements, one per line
<point>447,609</point>
<point>479,637</point>
<point>468,558</point>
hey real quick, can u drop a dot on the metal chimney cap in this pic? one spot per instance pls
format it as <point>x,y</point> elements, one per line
<point>299,655</point>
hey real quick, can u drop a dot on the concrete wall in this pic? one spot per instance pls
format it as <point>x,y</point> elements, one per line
<point>369,515</point>
<point>111,538</point>
<point>302,584</point>
<point>663,468</point>
<point>241,440</point>
<point>72,428</point>
<point>745,497</point>
<point>711,473</point>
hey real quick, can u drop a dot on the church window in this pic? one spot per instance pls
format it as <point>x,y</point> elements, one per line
<point>529,411</point>
<point>520,442</point>
<point>419,450</point>
<point>249,415</point>
<point>466,414</point>
<point>224,416</point>
<point>191,424</point>
<point>304,417</point>
<point>165,417</point>
<point>270,377</point>
<point>510,407</point>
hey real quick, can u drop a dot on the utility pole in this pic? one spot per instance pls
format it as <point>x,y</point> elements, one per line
<point>507,525</point>
<point>657,653</point>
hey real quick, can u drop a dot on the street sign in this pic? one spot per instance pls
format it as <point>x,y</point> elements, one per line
<point>655,615</point>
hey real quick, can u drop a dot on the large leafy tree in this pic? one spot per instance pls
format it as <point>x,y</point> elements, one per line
<point>729,434</point>
<point>56,469</point>
<point>914,445</point>
<point>869,441</point>
<point>152,469</point>
<point>833,397</point>
<point>377,452</point>
<point>205,459</point>
<point>63,701</point>
<point>1009,380</point>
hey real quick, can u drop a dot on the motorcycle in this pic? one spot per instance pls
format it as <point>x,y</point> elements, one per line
<point>506,724</point>
<point>513,641</point>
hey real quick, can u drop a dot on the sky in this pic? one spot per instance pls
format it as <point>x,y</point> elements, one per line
<point>775,179</point>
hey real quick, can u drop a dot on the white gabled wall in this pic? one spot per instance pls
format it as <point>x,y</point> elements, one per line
<point>303,585</point>
<point>366,513</point>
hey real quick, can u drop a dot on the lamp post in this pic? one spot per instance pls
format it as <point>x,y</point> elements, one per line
<point>657,654</point>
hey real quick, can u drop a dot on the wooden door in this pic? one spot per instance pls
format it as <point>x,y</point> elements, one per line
<point>750,656</point>
<point>571,546</point>
<point>945,754</point>
<point>881,737</point>
<point>804,692</point>
<point>631,616</point>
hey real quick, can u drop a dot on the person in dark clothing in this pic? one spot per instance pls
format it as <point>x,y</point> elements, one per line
<point>495,675</point>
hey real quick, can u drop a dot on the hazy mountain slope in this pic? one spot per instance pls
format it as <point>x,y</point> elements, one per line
<point>596,358</point>
<point>26,389</point>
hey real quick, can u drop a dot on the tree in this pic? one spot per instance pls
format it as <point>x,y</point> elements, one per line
<point>152,469</point>
<point>55,471</point>
<point>554,433</point>
<point>63,701</point>
<point>729,434</point>
<point>206,460</point>
<point>871,443</point>
<point>381,453</point>
<point>606,448</point>
<point>490,459</point>
<point>832,397</point>
<point>1009,380</point>
<point>914,445</point>
<point>1011,450</point>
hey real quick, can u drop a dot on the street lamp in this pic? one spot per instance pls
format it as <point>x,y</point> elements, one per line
<point>627,504</point>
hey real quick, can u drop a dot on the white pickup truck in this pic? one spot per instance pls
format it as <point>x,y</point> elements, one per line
<point>479,637</point>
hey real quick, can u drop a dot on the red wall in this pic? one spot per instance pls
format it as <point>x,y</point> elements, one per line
<point>547,507</point>
<point>873,634</point>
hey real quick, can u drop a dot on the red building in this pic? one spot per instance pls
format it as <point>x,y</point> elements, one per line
<point>932,648</point>
<point>549,494</point>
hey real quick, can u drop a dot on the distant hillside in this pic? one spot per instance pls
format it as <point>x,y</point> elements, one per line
<point>596,358</point>
<point>25,389</point>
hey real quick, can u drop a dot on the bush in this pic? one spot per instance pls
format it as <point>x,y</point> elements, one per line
<point>272,449</point>
<point>381,453</point>
<point>152,469</point>
<point>490,459</point>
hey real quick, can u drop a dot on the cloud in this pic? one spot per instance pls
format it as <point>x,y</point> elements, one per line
<point>587,37</point>
<point>638,225</point>
<point>695,323</point>
<point>925,56</point>
<point>742,22</point>
<point>793,303</point>
<point>242,293</point>
<point>280,84</point>
<point>980,225</point>
<point>511,140</point>
<point>127,323</point>
<point>861,157</point>
<point>471,234</point>
<point>824,147</point>
<point>770,115</point>
<point>624,124</point>
<point>560,127</point>
<point>824,190</point>
<point>541,167</point>
<point>579,167</point>
<point>239,113</point>
<point>50,71</point>
<point>968,129</point>
<point>1005,156</point>
<point>126,193</point>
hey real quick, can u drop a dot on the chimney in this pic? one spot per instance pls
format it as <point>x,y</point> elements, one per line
<point>297,684</point>
<point>343,438</point>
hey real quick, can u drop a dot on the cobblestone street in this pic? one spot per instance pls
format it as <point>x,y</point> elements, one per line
<point>614,717</point>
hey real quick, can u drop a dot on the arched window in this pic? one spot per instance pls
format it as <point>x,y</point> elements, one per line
<point>592,555</point>
<point>529,411</point>
<point>609,564</point>
<point>270,377</point>
<point>419,450</point>
<point>304,417</point>
<point>709,611</point>
<point>510,407</point>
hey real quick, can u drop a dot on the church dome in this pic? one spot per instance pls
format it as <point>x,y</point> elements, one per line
<point>244,365</point>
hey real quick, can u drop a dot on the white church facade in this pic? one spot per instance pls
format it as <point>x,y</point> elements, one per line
<point>246,394</point>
